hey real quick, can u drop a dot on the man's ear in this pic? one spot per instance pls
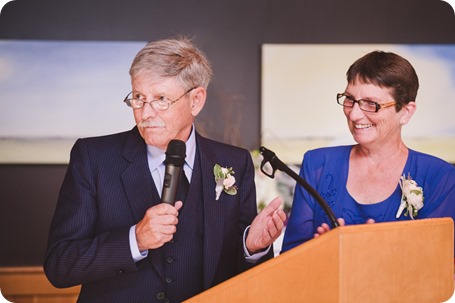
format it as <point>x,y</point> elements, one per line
<point>197,97</point>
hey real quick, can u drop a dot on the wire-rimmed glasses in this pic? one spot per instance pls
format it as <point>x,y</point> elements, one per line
<point>161,104</point>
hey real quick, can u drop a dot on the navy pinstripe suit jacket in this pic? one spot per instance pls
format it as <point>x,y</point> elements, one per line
<point>107,189</point>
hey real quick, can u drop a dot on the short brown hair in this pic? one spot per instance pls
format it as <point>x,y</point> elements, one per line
<point>387,69</point>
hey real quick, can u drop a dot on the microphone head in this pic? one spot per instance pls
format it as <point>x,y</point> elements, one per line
<point>176,153</point>
<point>267,153</point>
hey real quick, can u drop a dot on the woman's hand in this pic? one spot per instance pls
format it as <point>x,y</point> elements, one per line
<point>325,227</point>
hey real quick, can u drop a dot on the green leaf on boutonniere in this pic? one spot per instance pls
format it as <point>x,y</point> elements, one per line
<point>224,180</point>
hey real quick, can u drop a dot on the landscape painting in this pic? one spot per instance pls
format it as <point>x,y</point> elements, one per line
<point>53,92</point>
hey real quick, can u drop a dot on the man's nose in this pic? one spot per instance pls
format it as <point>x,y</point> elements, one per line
<point>148,110</point>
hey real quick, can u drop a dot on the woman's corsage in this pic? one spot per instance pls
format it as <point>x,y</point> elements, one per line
<point>411,198</point>
<point>224,180</point>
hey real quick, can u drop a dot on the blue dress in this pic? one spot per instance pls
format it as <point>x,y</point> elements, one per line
<point>326,170</point>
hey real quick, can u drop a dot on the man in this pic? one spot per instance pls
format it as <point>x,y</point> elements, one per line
<point>110,231</point>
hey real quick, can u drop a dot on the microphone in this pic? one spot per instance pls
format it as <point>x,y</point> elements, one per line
<point>175,158</point>
<point>275,163</point>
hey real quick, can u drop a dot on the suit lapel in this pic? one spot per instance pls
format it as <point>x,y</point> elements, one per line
<point>213,212</point>
<point>137,180</point>
<point>140,188</point>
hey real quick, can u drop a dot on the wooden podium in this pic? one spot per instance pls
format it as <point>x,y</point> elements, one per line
<point>408,261</point>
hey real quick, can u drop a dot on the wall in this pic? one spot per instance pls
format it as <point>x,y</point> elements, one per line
<point>230,32</point>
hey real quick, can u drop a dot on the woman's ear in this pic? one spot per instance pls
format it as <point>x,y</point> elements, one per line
<point>197,97</point>
<point>407,112</point>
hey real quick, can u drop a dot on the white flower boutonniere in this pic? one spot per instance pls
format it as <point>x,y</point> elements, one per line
<point>412,197</point>
<point>224,181</point>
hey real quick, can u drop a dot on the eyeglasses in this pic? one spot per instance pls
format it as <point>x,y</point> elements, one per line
<point>365,105</point>
<point>160,104</point>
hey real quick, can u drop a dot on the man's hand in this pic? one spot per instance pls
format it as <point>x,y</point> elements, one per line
<point>266,227</point>
<point>158,226</point>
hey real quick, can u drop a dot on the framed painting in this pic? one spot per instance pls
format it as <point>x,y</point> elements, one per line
<point>53,92</point>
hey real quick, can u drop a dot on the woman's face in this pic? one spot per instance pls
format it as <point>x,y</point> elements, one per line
<point>374,129</point>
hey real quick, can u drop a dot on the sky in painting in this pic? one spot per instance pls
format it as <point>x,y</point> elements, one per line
<point>64,89</point>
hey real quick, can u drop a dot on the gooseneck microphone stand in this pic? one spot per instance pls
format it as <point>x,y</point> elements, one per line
<point>276,163</point>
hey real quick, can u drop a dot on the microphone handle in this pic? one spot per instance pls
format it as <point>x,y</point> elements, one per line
<point>171,179</point>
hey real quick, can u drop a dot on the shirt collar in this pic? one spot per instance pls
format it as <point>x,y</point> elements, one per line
<point>191,148</point>
<point>157,156</point>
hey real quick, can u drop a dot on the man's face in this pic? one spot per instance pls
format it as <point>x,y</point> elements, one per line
<point>159,127</point>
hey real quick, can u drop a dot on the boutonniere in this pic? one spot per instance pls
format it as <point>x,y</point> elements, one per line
<point>411,198</point>
<point>224,180</point>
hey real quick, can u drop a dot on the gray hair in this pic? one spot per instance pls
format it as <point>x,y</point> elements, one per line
<point>174,58</point>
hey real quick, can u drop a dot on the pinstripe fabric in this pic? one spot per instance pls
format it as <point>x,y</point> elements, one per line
<point>108,188</point>
<point>185,250</point>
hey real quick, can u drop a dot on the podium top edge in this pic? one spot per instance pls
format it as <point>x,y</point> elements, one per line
<point>398,224</point>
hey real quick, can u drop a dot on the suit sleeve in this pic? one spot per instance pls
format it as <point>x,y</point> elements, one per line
<point>77,251</point>
<point>249,211</point>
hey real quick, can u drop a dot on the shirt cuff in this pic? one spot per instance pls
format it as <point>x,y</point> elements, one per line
<point>135,253</point>
<point>255,257</point>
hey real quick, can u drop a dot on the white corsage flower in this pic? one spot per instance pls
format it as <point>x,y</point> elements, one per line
<point>411,198</point>
<point>224,181</point>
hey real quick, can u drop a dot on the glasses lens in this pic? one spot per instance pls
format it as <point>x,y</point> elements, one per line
<point>134,103</point>
<point>137,103</point>
<point>160,104</point>
<point>368,106</point>
<point>345,101</point>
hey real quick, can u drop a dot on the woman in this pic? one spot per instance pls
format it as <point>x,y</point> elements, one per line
<point>363,183</point>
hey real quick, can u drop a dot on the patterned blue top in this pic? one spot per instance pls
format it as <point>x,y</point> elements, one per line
<point>326,170</point>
